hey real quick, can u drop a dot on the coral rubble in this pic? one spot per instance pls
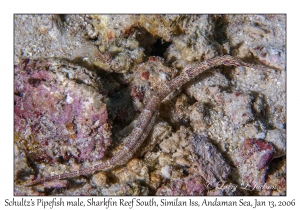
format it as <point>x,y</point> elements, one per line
<point>80,80</point>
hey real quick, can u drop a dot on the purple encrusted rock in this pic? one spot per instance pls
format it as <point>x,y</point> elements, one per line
<point>59,112</point>
<point>253,161</point>
<point>189,186</point>
<point>212,166</point>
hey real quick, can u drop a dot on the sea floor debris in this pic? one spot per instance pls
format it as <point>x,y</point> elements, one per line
<point>70,113</point>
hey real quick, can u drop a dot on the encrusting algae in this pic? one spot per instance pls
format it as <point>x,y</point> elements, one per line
<point>75,111</point>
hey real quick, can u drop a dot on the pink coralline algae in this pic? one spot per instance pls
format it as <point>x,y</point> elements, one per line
<point>58,112</point>
<point>189,186</point>
<point>253,161</point>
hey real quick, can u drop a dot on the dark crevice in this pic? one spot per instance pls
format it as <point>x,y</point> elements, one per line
<point>261,110</point>
<point>220,27</point>
<point>119,103</point>
<point>32,164</point>
<point>159,48</point>
<point>153,45</point>
<point>63,17</point>
<point>275,166</point>
<point>23,174</point>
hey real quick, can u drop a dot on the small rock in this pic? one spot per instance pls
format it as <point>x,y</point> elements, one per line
<point>166,172</point>
<point>213,167</point>
<point>253,161</point>
<point>100,179</point>
<point>278,139</point>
